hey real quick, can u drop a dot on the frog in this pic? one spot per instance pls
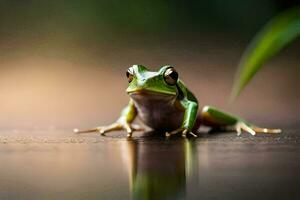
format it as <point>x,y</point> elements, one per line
<point>163,103</point>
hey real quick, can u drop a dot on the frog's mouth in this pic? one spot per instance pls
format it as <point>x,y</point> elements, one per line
<point>150,91</point>
<point>151,95</point>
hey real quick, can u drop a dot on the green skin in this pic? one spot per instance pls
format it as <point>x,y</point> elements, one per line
<point>164,103</point>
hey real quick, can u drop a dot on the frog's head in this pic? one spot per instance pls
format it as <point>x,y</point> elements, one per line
<point>163,81</point>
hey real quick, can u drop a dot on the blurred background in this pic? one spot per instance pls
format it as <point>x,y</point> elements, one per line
<point>63,63</point>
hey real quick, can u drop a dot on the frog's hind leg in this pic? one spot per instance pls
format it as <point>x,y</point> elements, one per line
<point>216,119</point>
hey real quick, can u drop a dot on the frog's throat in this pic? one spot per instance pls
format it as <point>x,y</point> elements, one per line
<point>150,91</point>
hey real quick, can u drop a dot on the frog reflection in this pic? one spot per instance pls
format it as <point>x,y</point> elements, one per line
<point>159,170</point>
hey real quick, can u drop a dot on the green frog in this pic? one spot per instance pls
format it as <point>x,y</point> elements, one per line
<point>164,103</point>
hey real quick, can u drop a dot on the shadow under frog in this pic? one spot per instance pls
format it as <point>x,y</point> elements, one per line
<point>159,169</point>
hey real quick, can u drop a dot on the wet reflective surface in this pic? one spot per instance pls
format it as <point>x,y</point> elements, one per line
<point>214,166</point>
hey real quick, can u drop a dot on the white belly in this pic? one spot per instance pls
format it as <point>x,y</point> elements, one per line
<point>160,112</point>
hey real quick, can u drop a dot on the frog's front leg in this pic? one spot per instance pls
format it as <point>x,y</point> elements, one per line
<point>190,116</point>
<point>124,122</point>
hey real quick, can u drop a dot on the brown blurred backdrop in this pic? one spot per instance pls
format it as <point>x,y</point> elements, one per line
<point>63,63</point>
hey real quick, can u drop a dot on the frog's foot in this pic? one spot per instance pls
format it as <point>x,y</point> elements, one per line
<point>241,126</point>
<point>183,132</point>
<point>130,128</point>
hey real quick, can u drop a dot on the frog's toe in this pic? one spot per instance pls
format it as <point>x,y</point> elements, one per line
<point>186,131</point>
<point>130,128</point>
<point>104,129</point>
<point>85,131</point>
<point>168,134</point>
<point>192,134</point>
<point>183,134</point>
<point>136,127</point>
<point>241,126</point>
<point>129,135</point>
<point>183,131</point>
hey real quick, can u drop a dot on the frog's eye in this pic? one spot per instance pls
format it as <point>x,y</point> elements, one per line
<point>129,74</point>
<point>171,76</point>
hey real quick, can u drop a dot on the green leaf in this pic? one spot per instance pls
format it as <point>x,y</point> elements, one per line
<point>277,34</point>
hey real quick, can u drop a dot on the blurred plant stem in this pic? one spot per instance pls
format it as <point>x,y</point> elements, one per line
<point>274,36</point>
